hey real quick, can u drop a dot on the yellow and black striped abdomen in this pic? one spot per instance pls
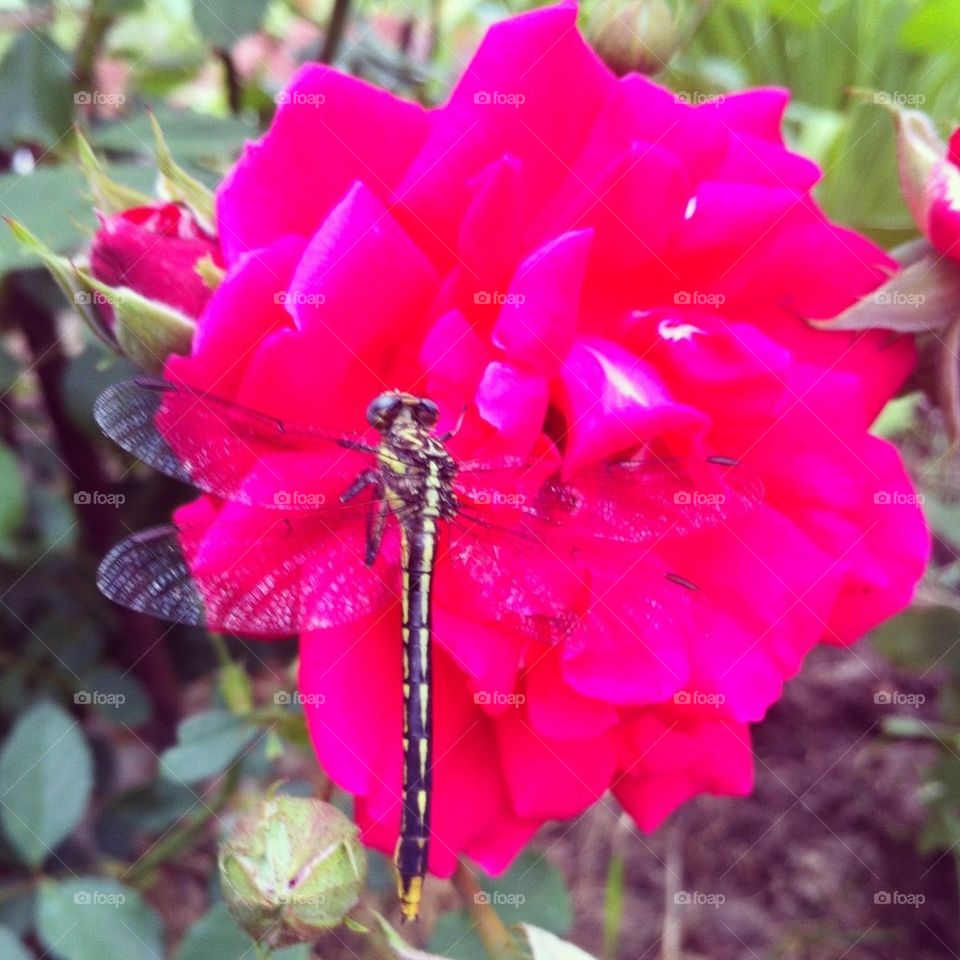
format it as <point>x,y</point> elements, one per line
<point>419,531</point>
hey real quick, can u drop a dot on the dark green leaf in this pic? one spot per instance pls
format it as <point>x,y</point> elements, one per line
<point>91,918</point>
<point>224,22</point>
<point>14,495</point>
<point>208,743</point>
<point>47,771</point>
<point>217,937</point>
<point>36,90</point>
<point>118,696</point>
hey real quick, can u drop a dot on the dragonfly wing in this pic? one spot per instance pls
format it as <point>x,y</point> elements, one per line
<point>290,575</point>
<point>226,449</point>
<point>507,573</point>
<point>644,501</point>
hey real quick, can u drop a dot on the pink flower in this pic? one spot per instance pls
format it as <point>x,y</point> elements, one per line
<point>154,251</point>
<point>588,260</point>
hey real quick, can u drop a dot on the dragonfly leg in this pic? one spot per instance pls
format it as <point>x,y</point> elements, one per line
<point>366,479</point>
<point>376,522</point>
<point>450,434</point>
<point>356,445</point>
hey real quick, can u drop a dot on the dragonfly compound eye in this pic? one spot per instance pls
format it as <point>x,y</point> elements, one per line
<point>383,409</point>
<point>427,413</point>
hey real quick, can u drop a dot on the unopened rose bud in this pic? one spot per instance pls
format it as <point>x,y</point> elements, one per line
<point>637,37</point>
<point>154,251</point>
<point>930,179</point>
<point>292,868</point>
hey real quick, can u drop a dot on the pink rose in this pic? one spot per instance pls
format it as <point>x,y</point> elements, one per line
<point>592,264</point>
<point>154,250</point>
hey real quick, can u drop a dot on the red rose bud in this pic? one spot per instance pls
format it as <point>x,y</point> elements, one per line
<point>154,251</point>
<point>930,179</point>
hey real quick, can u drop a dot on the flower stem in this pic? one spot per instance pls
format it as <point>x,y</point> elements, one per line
<point>497,940</point>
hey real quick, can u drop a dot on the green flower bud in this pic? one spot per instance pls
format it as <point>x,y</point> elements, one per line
<point>637,37</point>
<point>291,869</point>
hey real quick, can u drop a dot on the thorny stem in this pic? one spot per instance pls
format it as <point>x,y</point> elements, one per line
<point>497,940</point>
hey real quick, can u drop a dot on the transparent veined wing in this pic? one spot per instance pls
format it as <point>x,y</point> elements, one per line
<point>224,448</point>
<point>271,576</point>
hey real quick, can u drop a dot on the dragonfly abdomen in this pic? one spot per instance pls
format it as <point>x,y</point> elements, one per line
<point>420,538</point>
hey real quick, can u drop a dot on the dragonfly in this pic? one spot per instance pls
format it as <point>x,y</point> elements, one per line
<point>510,533</point>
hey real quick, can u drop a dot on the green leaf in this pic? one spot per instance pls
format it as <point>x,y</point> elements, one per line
<point>216,936</point>
<point>90,918</point>
<point>53,203</point>
<point>14,499</point>
<point>400,947</point>
<point>191,136</point>
<point>108,196</point>
<point>147,331</point>
<point>117,696</point>
<point>545,946</point>
<point>935,26</point>
<point>46,768</point>
<point>224,22</point>
<point>208,743</point>
<point>11,948</point>
<point>178,185</point>
<point>36,90</point>
<point>531,890</point>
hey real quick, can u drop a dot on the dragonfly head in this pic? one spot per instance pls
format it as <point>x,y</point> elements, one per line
<point>392,405</point>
